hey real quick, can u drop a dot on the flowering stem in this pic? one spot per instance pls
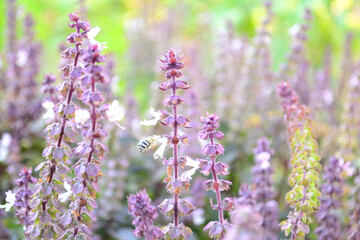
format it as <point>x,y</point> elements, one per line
<point>175,153</point>
<point>175,184</point>
<point>304,156</point>
<point>217,190</point>
<point>93,127</point>
<point>63,124</point>
<point>70,93</point>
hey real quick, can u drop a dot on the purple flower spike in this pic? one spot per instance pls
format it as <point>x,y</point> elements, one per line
<point>217,229</point>
<point>144,214</point>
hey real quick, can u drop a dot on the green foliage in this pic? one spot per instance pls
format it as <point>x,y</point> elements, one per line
<point>304,197</point>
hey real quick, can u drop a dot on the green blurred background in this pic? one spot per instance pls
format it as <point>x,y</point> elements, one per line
<point>332,19</point>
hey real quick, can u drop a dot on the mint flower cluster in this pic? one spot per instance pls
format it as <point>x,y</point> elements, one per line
<point>212,150</point>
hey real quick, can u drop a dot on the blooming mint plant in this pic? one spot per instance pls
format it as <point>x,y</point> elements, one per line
<point>332,188</point>
<point>81,216</point>
<point>217,229</point>
<point>23,196</point>
<point>264,191</point>
<point>144,214</point>
<point>53,171</point>
<point>176,184</point>
<point>304,197</point>
<point>18,85</point>
<point>353,228</point>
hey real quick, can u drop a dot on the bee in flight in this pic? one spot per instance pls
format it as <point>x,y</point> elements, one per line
<point>147,143</point>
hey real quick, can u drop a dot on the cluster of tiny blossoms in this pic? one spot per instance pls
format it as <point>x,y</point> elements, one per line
<point>217,229</point>
<point>61,132</point>
<point>303,198</point>
<point>144,214</point>
<point>329,222</point>
<point>18,85</point>
<point>81,216</point>
<point>23,196</point>
<point>176,184</point>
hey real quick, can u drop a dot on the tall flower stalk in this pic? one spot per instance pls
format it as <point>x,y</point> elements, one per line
<point>81,216</point>
<point>217,229</point>
<point>23,196</point>
<point>329,222</point>
<point>303,198</point>
<point>264,192</point>
<point>176,184</point>
<point>144,214</point>
<point>247,223</point>
<point>22,66</point>
<point>53,171</point>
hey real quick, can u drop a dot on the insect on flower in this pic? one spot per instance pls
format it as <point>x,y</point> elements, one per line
<point>148,143</point>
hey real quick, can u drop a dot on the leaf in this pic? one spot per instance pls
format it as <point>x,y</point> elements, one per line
<point>35,232</point>
<point>216,229</point>
<point>34,202</point>
<point>209,225</point>
<point>46,189</point>
<point>76,72</point>
<point>184,208</point>
<point>174,232</point>
<point>45,217</point>
<point>58,186</point>
<point>69,132</point>
<point>91,202</point>
<point>48,234</point>
<point>80,169</point>
<point>78,187</point>
<point>306,208</point>
<point>316,192</point>
<point>303,227</point>
<point>55,129</point>
<point>40,166</point>
<point>167,206</point>
<point>62,169</point>
<point>186,232</point>
<point>92,170</point>
<point>69,109</point>
<point>58,153</point>
<point>66,219</point>
<point>95,186</point>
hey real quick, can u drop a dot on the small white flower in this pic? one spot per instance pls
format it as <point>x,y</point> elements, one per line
<point>152,122</point>
<point>328,97</point>
<point>4,146</point>
<point>49,107</point>
<point>63,197</point>
<point>10,201</point>
<point>115,113</point>
<point>81,116</point>
<point>265,165</point>
<point>354,81</point>
<point>22,57</point>
<point>294,29</point>
<point>346,168</point>
<point>264,159</point>
<point>159,153</point>
<point>198,216</point>
<point>189,173</point>
<point>91,34</point>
